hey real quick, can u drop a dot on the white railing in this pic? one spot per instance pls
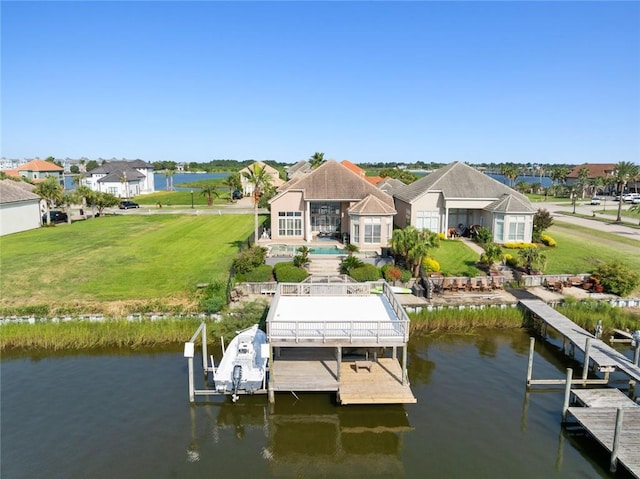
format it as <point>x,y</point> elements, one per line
<point>331,330</point>
<point>324,289</point>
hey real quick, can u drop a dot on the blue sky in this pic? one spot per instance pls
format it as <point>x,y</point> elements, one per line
<point>539,82</point>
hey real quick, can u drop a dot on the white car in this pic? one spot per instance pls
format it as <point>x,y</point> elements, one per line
<point>595,200</point>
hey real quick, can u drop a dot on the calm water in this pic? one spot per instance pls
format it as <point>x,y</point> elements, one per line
<point>128,416</point>
<point>160,181</point>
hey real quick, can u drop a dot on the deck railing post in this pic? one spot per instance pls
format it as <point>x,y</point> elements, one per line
<point>205,357</point>
<point>532,344</point>
<point>567,395</point>
<point>191,388</point>
<point>616,440</point>
<point>585,368</point>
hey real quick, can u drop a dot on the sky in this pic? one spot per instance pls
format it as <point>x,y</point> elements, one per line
<point>508,81</point>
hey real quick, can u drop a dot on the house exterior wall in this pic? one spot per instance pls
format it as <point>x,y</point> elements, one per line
<point>19,216</point>
<point>40,175</point>
<point>403,215</point>
<point>247,187</point>
<point>291,201</point>
<point>359,225</point>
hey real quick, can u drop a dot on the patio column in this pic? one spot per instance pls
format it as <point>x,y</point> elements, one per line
<point>446,220</point>
<point>307,223</point>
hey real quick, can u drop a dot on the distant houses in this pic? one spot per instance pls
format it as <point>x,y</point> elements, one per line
<point>274,177</point>
<point>121,178</point>
<point>36,171</point>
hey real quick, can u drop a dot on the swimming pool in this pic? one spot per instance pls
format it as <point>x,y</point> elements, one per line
<point>287,250</point>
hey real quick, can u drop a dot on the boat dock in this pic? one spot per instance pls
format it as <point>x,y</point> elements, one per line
<point>613,420</point>
<point>607,414</point>
<point>341,338</point>
<point>596,352</point>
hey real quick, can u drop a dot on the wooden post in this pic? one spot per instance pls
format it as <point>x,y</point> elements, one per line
<point>616,440</point>
<point>339,358</point>
<point>404,364</point>
<point>585,367</point>
<point>191,388</point>
<point>532,344</point>
<point>205,357</point>
<point>567,395</point>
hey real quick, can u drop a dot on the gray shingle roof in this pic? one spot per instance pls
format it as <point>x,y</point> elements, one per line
<point>391,185</point>
<point>332,181</point>
<point>372,206</point>
<point>13,192</point>
<point>117,175</point>
<point>119,165</point>
<point>510,204</point>
<point>457,180</point>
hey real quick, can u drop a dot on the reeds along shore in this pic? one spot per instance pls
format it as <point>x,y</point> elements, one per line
<point>172,333</point>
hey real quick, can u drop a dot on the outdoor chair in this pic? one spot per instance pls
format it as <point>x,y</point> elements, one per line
<point>461,284</point>
<point>474,284</point>
<point>447,284</point>
<point>484,284</point>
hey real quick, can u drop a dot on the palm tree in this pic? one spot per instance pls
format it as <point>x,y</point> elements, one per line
<point>168,174</point>
<point>316,159</point>
<point>625,170</point>
<point>583,180</point>
<point>258,177</point>
<point>559,174</point>
<point>510,172</point>
<point>209,191</point>
<point>50,191</point>
<point>635,208</point>
<point>232,182</point>
<point>83,195</point>
<point>596,185</point>
<point>413,245</point>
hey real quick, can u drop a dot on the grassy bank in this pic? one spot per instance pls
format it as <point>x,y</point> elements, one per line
<point>172,333</point>
<point>107,264</point>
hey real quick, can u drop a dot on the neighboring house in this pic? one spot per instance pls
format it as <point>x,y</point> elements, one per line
<point>459,196</point>
<point>37,171</point>
<point>332,200</point>
<point>274,175</point>
<point>299,169</point>
<point>595,170</point>
<point>374,180</point>
<point>122,178</point>
<point>19,207</point>
<point>390,185</point>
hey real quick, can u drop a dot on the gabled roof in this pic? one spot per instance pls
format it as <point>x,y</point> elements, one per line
<point>457,180</point>
<point>372,206</point>
<point>39,165</point>
<point>302,164</point>
<point>12,192</point>
<point>510,204</point>
<point>116,176</point>
<point>119,165</point>
<point>595,170</point>
<point>391,185</point>
<point>270,170</point>
<point>332,181</point>
<point>374,180</point>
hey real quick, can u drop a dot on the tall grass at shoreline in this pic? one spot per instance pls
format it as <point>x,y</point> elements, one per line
<point>466,320</point>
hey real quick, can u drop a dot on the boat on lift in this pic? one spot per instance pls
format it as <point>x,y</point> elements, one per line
<point>243,367</point>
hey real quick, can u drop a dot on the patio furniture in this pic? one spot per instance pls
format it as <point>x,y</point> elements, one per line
<point>461,284</point>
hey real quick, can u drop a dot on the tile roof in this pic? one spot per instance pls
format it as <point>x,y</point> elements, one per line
<point>595,170</point>
<point>332,181</point>
<point>457,180</point>
<point>374,180</point>
<point>39,165</point>
<point>372,206</point>
<point>12,192</point>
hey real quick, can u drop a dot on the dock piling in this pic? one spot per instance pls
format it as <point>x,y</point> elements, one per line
<point>567,395</point>
<point>616,440</point>
<point>585,367</point>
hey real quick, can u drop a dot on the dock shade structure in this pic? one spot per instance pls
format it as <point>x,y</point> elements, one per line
<point>339,337</point>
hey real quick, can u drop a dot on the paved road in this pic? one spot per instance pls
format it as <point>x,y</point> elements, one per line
<point>609,226</point>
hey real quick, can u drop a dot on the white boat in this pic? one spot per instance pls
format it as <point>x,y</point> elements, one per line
<point>244,364</point>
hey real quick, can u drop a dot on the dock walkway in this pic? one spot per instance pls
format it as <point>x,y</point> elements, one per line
<point>599,416</point>
<point>604,356</point>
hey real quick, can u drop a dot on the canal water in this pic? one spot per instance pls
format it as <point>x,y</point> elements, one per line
<point>128,416</point>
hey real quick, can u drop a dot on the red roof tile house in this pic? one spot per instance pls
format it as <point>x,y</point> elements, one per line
<point>332,200</point>
<point>38,170</point>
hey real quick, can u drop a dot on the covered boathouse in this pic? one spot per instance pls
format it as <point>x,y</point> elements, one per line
<point>347,338</point>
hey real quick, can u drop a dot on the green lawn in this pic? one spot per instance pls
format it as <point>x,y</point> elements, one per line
<point>182,198</point>
<point>119,258</point>
<point>580,249</point>
<point>456,258</point>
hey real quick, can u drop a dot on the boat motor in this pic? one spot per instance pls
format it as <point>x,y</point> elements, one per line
<point>237,377</point>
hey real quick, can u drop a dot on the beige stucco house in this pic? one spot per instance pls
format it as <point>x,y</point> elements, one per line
<point>20,208</point>
<point>274,177</point>
<point>332,201</point>
<point>457,197</point>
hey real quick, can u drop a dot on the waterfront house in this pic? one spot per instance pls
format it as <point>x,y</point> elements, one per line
<point>331,201</point>
<point>274,177</point>
<point>456,197</point>
<point>122,178</point>
<point>301,168</point>
<point>37,171</point>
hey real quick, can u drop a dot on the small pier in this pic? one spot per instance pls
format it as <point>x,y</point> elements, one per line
<point>613,420</point>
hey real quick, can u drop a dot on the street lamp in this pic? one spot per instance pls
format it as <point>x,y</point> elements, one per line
<point>191,199</point>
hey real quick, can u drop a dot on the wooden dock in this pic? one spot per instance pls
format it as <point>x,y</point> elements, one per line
<point>381,384</point>
<point>599,417</point>
<point>605,358</point>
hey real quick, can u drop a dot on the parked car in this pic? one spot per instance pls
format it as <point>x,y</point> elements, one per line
<point>56,217</point>
<point>636,200</point>
<point>125,205</point>
<point>595,200</point>
<point>237,194</point>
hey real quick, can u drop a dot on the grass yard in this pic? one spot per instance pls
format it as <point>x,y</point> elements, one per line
<point>182,198</point>
<point>580,249</point>
<point>118,259</point>
<point>456,258</point>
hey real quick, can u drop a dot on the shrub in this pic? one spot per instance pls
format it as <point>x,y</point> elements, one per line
<point>290,274</point>
<point>542,220</point>
<point>249,259</point>
<point>366,272</point>
<point>214,297</point>
<point>548,240</point>
<point>430,265</point>
<point>617,278</point>
<point>261,274</point>
<point>406,275</point>
<point>349,263</point>
<point>510,260</point>
<point>512,245</point>
<point>391,273</point>
<point>278,266</point>
<point>442,236</point>
<point>484,235</point>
